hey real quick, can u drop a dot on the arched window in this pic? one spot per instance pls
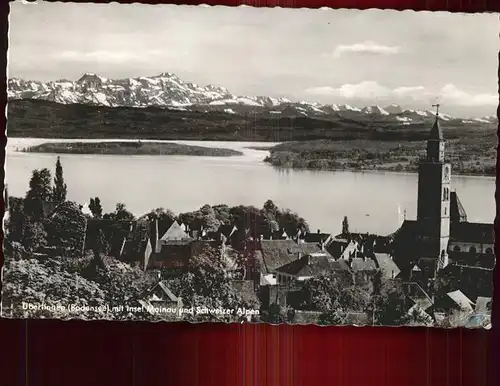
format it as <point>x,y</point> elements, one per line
<point>472,250</point>
<point>456,248</point>
<point>446,194</point>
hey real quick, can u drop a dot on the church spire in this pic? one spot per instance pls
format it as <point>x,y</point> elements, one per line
<point>435,142</point>
<point>436,132</point>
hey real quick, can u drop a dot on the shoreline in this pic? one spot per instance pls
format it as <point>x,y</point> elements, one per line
<point>372,171</point>
<point>129,148</point>
<point>257,146</point>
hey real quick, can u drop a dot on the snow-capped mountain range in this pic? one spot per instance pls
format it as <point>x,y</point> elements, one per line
<point>169,91</point>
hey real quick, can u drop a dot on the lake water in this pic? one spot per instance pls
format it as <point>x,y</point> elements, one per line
<point>374,202</point>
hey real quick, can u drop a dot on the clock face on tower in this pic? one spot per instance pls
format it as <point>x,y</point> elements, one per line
<point>446,174</point>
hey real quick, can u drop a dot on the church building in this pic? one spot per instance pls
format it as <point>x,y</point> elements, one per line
<point>441,234</point>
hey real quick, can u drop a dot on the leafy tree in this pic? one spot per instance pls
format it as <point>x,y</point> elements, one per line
<point>40,191</point>
<point>122,214</point>
<point>121,285</point>
<point>277,314</point>
<point>60,189</point>
<point>335,292</point>
<point>162,214</point>
<point>95,207</point>
<point>206,284</point>
<point>273,225</point>
<point>330,318</point>
<point>99,247</point>
<point>66,228</point>
<point>205,217</point>
<point>34,236</point>
<point>345,226</point>
<point>270,207</point>
<point>250,218</point>
<point>118,228</point>
<point>165,218</point>
<point>390,306</point>
<point>15,223</point>
<point>37,283</point>
<point>291,221</point>
<point>223,214</point>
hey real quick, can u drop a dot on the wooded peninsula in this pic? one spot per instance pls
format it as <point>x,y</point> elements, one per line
<point>131,148</point>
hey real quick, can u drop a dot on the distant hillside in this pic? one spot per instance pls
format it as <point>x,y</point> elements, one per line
<point>45,119</point>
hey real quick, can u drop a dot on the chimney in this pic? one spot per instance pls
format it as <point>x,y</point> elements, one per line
<point>319,231</point>
<point>307,259</point>
<point>322,245</point>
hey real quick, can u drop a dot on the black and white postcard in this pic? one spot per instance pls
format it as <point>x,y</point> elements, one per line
<point>239,164</point>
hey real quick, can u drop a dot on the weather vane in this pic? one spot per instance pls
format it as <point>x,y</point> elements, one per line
<point>437,108</point>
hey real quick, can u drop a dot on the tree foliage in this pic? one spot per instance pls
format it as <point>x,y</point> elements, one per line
<point>95,207</point>
<point>249,220</point>
<point>15,224</point>
<point>66,228</point>
<point>391,306</point>
<point>336,292</point>
<point>205,218</point>
<point>345,226</point>
<point>277,314</point>
<point>40,192</point>
<point>206,284</point>
<point>122,214</point>
<point>60,189</point>
<point>34,236</point>
<point>34,282</point>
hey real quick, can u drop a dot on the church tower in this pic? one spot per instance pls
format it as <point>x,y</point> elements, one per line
<point>433,206</point>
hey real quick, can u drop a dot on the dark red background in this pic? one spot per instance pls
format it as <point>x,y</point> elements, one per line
<point>135,354</point>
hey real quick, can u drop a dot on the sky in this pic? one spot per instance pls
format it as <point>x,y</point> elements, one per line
<point>413,59</point>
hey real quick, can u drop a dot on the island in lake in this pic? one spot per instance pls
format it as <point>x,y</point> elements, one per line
<point>131,148</point>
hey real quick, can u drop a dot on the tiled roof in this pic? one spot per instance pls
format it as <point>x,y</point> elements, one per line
<point>388,267</point>
<point>168,243</point>
<point>174,232</point>
<point>267,280</point>
<point>436,131</point>
<point>457,211</point>
<point>310,266</point>
<point>482,305</point>
<point>461,300</point>
<point>276,253</point>
<point>473,232</point>
<point>280,234</point>
<point>360,264</point>
<point>316,237</point>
